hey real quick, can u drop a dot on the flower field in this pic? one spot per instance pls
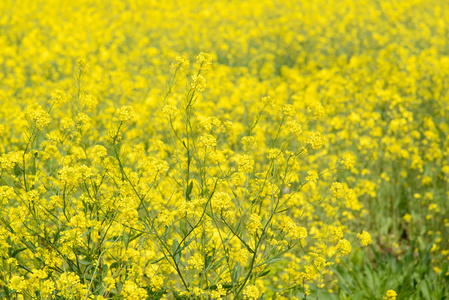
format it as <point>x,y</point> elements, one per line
<point>290,149</point>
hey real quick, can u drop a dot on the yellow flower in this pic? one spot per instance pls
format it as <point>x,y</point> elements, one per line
<point>251,292</point>
<point>337,190</point>
<point>81,64</point>
<point>109,281</point>
<point>198,83</point>
<point>254,223</point>
<point>221,201</point>
<point>131,291</point>
<point>181,64</point>
<point>98,153</point>
<point>288,110</point>
<point>38,115</point>
<point>313,176</point>
<point>69,285</point>
<point>196,262</point>
<point>17,283</point>
<point>69,175</point>
<point>208,141</point>
<point>157,283</point>
<point>245,163</point>
<point>365,238</point>
<point>90,102</point>
<point>198,291</point>
<point>58,98</point>
<point>348,160</point>
<point>317,110</point>
<point>169,111</point>
<point>204,60</point>
<point>219,292</point>
<point>407,218</point>
<point>390,295</point>
<point>344,246</point>
<point>249,143</point>
<point>294,127</point>
<point>126,114</point>
<point>315,140</point>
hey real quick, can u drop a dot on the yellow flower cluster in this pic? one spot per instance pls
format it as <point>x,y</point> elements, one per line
<point>207,140</point>
<point>169,111</point>
<point>315,140</point>
<point>131,291</point>
<point>254,223</point>
<point>69,285</point>
<point>348,160</point>
<point>38,116</point>
<point>291,229</point>
<point>126,114</point>
<point>58,98</point>
<point>337,190</point>
<point>390,295</point>
<point>251,292</point>
<point>123,177</point>
<point>196,262</point>
<point>181,64</point>
<point>198,83</point>
<point>365,238</point>
<point>312,176</point>
<point>222,203</point>
<point>245,163</point>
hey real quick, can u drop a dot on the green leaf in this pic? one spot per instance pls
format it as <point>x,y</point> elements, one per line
<point>176,251</point>
<point>189,190</point>
<point>115,265</point>
<point>85,262</point>
<point>444,269</point>
<point>87,232</point>
<point>135,237</point>
<point>16,251</point>
<point>235,275</point>
<point>104,270</point>
<point>217,263</point>
<point>264,273</point>
<point>126,239</point>
<point>273,260</point>
<point>425,290</point>
<point>343,281</point>
<point>5,288</point>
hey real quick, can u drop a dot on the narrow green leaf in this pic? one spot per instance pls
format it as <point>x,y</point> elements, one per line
<point>176,252</point>
<point>87,232</point>
<point>189,190</point>
<point>235,275</point>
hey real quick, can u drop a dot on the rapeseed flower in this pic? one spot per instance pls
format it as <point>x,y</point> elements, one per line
<point>116,169</point>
